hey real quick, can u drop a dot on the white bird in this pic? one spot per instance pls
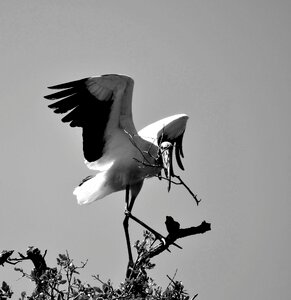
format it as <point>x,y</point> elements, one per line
<point>121,156</point>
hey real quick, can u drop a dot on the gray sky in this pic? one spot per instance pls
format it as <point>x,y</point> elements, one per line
<point>224,63</point>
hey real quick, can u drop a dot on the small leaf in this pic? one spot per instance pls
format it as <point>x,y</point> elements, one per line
<point>97,289</point>
<point>63,256</point>
<point>105,287</point>
<point>5,287</point>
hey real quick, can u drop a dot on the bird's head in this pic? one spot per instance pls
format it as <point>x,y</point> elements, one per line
<point>166,150</point>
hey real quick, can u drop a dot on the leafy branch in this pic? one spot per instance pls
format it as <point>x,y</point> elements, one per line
<point>62,282</point>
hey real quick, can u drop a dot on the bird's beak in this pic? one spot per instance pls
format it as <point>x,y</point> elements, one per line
<point>167,154</point>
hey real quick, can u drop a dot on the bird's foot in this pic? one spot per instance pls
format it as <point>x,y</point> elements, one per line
<point>160,238</point>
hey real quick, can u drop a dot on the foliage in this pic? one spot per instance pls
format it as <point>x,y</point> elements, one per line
<point>63,282</point>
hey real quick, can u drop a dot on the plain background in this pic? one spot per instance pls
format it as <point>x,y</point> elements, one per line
<point>224,63</point>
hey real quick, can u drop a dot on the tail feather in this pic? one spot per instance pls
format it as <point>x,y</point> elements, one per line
<point>93,189</point>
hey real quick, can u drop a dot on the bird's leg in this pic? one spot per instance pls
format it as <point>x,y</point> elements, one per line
<point>128,208</point>
<point>125,225</point>
<point>155,233</point>
<point>134,190</point>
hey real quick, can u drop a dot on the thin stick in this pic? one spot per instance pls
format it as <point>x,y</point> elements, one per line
<point>188,189</point>
<point>149,228</point>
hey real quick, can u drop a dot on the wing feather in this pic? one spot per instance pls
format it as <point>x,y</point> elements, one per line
<point>88,103</point>
<point>66,104</point>
<point>70,84</point>
<point>62,94</point>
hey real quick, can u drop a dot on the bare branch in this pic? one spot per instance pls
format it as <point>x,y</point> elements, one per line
<point>180,233</point>
<point>5,257</point>
<point>146,161</point>
<point>188,189</point>
<point>175,232</point>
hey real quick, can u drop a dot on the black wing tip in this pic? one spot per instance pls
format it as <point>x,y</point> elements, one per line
<point>69,84</point>
<point>49,97</point>
<point>68,87</point>
<point>62,94</point>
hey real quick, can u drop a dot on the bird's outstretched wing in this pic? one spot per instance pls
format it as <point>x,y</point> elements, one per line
<point>95,104</point>
<point>170,129</point>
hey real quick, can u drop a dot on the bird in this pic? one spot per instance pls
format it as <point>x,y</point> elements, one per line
<point>121,157</point>
<point>172,225</point>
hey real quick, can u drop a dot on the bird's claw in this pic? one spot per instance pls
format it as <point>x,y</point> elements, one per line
<point>159,237</point>
<point>163,240</point>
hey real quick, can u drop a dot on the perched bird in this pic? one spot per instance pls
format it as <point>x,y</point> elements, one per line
<point>172,225</point>
<point>121,157</point>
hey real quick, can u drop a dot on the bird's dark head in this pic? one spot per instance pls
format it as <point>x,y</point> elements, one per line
<point>166,154</point>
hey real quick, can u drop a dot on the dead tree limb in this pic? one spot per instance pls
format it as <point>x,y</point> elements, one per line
<point>5,257</point>
<point>174,233</point>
